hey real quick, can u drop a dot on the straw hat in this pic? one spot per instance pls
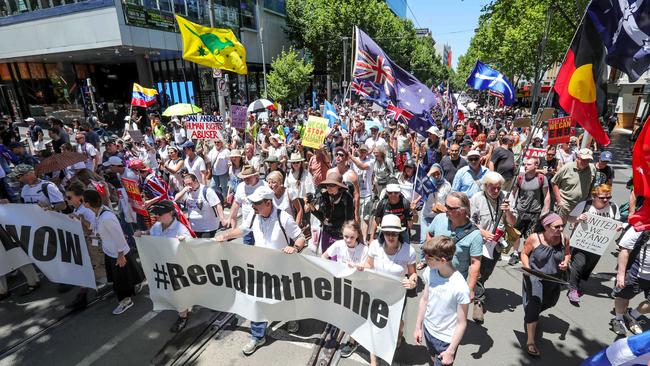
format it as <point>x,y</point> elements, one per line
<point>295,158</point>
<point>391,223</point>
<point>247,171</point>
<point>235,153</point>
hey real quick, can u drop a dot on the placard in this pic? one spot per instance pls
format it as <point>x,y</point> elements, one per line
<point>135,196</point>
<point>560,130</point>
<point>314,133</point>
<point>533,152</point>
<point>238,116</point>
<point>136,135</point>
<point>595,234</point>
<point>203,126</point>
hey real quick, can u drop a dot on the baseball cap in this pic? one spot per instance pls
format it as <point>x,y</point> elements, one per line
<point>113,161</point>
<point>261,193</point>
<point>586,154</point>
<point>473,153</point>
<point>606,156</point>
<point>363,147</point>
<point>393,188</point>
<point>188,145</point>
<point>434,131</point>
<point>19,170</point>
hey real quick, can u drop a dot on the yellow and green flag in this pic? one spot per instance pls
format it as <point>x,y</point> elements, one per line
<point>212,47</point>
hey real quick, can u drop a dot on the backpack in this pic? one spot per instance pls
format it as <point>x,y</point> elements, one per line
<point>540,179</point>
<point>612,205</point>
<point>204,192</point>
<point>634,253</point>
<point>278,211</point>
<point>45,192</point>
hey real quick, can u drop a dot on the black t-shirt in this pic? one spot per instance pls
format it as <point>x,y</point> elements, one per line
<point>451,167</point>
<point>604,175</point>
<point>402,209</point>
<point>504,162</point>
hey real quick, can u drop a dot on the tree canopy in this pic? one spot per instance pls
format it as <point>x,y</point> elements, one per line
<point>289,77</point>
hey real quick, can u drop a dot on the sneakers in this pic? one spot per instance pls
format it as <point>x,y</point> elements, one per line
<point>632,324</point>
<point>292,326</point>
<point>79,303</point>
<point>618,327</point>
<point>348,349</point>
<point>574,297</point>
<point>477,312</point>
<point>123,306</point>
<point>179,325</point>
<point>253,345</point>
<point>514,259</point>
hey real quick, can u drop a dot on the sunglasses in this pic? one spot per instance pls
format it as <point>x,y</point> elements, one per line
<point>450,208</point>
<point>258,203</point>
<point>473,159</point>
<point>556,227</point>
<point>340,155</point>
<point>605,197</point>
<point>331,185</point>
<point>391,234</point>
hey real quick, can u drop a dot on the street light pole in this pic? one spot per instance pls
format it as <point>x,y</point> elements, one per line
<point>261,30</point>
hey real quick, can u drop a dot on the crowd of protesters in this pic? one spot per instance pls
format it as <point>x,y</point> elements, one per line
<point>357,199</point>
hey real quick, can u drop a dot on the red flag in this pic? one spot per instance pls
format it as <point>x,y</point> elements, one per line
<point>640,219</point>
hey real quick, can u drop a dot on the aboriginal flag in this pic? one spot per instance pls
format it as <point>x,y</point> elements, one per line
<point>581,83</point>
<point>640,219</point>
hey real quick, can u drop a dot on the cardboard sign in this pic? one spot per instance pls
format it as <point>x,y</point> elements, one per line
<point>203,126</point>
<point>547,113</point>
<point>135,196</point>
<point>560,130</point>
<point>238,116</point>
<point>522,122</point>
<point>314,132</point>
<point>533,152</point>
<point>595,234</point>
<point>136,135</point>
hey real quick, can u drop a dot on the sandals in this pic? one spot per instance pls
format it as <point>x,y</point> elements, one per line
<point>532,350</point>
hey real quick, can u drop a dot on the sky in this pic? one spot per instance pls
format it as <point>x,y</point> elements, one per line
<point>450,21</point>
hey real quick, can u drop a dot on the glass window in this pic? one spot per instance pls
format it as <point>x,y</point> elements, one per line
<point>165,5</point>
<point>193,9</point>
<point>248,14</point>
<point>151,4</point>
<point>179,7</point>
<point>278,6</point>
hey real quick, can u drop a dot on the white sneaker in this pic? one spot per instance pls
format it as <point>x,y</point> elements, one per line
<point>123,306</point>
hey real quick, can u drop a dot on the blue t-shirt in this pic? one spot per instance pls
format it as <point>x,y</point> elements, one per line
<point>465,182</point>
<point>469,246</point>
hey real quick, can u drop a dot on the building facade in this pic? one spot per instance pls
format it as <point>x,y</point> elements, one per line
<point>53,53</point>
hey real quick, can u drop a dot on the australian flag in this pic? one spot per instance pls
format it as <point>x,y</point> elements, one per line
<point>389,84</point>
<point>484,77</point>
<point>423,183</point>
<point>624,28</point>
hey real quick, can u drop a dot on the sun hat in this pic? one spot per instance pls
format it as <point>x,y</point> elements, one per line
<point>334,178</point>
<point>391,223</point>
<point>247,171</point>
<point>295,158</point>
<point>235,153</point>
<point>261,193</point>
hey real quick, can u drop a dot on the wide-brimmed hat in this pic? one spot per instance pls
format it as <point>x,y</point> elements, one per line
<point>391,223</point>
<point>272,159</point>
<point>435,131</point>
<point>235,153</point>
<point>247,171</point>
<point>296,158</point>
<point>333,178</point>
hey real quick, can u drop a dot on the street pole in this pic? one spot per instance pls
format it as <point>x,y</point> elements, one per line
<point>537,87</point>
<point>259,24</point>
<point>221,99</point>
<point>345,62</point>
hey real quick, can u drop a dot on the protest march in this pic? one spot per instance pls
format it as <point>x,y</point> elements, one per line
<point>341,206</point>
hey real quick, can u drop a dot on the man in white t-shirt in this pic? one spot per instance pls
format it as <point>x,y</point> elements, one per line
<point>92,157</point>
<point>374,138</point>
<point>44,193</point>
<point>442,313</point>
<point>219,159</point>
<point>204,208</point>
<point>274,229</point>
<point>250,182</point>
<point>194,163</point>
<point>180,136</point>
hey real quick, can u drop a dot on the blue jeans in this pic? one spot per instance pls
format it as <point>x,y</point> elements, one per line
<point>258,330</point>
<point>220,182</point>
<point>249,239</point>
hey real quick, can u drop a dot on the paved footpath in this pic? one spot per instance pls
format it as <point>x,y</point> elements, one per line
<point>38,330</point>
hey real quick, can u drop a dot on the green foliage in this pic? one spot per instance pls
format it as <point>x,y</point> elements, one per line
<point>289,77</point>
<point>319,26</point>
<point>510,32</point>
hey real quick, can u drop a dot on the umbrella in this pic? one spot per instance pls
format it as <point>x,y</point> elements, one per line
<point>260,105</point>
<point>58,162</point>
<point>372,123</point>
<point>181,109</point>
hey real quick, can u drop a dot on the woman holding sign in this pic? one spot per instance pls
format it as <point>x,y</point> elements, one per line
<point>547,252</point>
<point>584,262</point>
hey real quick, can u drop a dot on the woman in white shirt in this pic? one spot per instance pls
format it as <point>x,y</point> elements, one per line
<point>390,256</point>
<point>283,198</point>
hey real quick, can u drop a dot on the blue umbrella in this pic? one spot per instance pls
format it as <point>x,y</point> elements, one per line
<point>372,123</point>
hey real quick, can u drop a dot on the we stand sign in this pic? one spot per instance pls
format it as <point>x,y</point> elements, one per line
<point>54,242</point>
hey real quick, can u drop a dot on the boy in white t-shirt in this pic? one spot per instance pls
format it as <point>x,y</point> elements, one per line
<point>442,313</point>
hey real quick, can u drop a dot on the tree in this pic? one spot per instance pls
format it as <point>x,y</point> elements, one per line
<point>289,77</point>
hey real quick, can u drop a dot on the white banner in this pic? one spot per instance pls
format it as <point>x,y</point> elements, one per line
<point>54,243</point>
<point>595,234</point>
<point>203,126</point>
<point>267,285</point>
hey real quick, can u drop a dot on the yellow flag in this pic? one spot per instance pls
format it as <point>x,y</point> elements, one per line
<point>212,47</point>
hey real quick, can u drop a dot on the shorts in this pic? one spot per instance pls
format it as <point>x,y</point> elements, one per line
<point>366,206</point>
<point>434,347</point>
<point>634,287</point>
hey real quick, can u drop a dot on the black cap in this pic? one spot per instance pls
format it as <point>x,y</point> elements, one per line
<point>162,207</point>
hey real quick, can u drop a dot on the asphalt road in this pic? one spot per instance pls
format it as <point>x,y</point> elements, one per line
<point>38,330</point>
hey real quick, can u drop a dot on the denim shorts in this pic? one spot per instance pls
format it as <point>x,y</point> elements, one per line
<point>434,346</point>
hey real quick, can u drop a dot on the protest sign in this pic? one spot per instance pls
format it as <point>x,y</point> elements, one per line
<point>263,284</point>
<point>560,130</point>
<point>595,234</point>
<point>203,126</point>
<point>238,116</point>
<point>54,242</point>
<point>135,196</point>
<point>136,135</point>
<point>314,133</point>
<point>533,152</point>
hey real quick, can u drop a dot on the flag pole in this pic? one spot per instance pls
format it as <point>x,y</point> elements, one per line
<point>538,115</point>
<point>353,60</point>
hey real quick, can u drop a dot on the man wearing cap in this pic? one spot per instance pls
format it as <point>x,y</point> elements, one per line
<point>604,172</point>
<point>274,229</point>
<point>573,182</point>
<point>364,167</point>
<point>394,203</point>
<point>178,131</point>
<point>195,164</point>
<point>219,157</point>
<point>250,182</point>
<point>469,179</point>
<point>374,138</point>
<point>35,190</point>
<point>433,149</point>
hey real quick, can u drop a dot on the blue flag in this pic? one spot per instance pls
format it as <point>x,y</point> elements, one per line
<point>330,113</point>
<point>633,350</point>
<point>386,81</point>
<point>424,185</point>
<point>624,28</point>
<point>484,77</point>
